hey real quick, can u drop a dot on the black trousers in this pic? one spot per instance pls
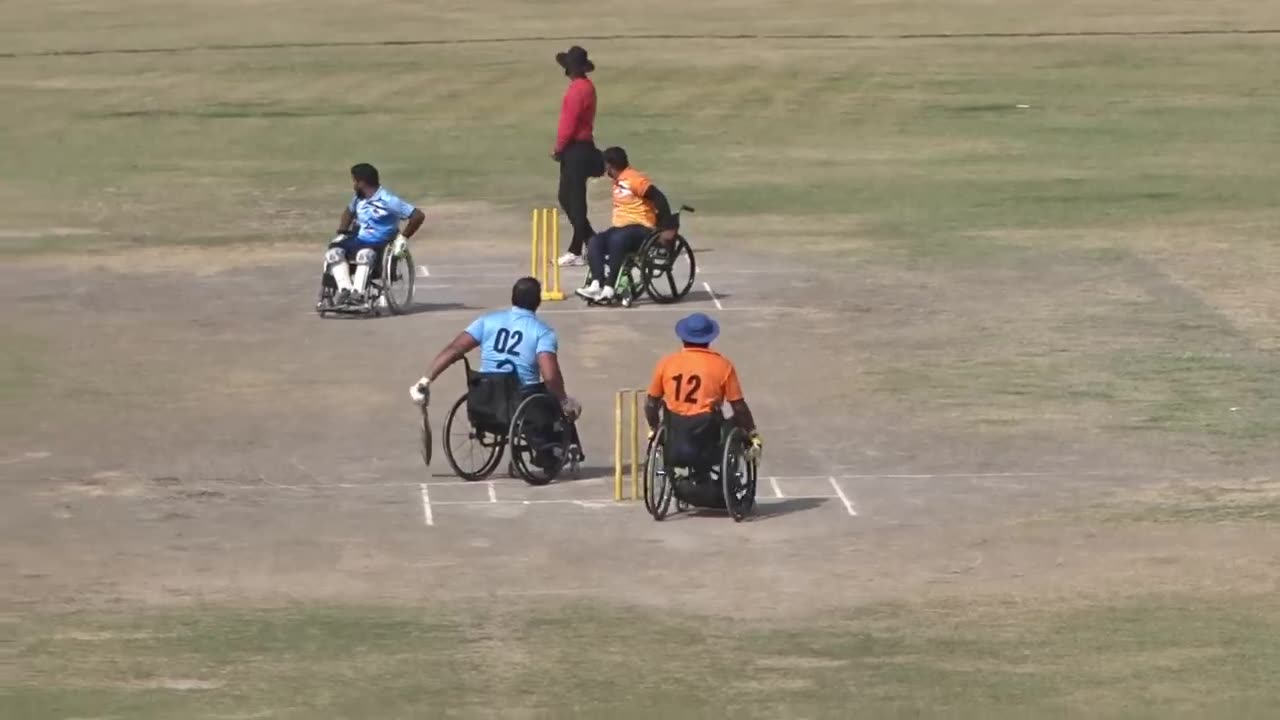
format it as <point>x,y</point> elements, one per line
<point>578,162</point>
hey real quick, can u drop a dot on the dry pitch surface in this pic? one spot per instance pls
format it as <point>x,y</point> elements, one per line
<point>1015,371</point>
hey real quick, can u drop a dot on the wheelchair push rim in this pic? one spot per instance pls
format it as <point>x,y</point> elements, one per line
<point>738,476</point>
<point>398,278</point>
<point>479,445</point>
<point>661,267</point>
<point>538,460</point>
<point>657,489</point>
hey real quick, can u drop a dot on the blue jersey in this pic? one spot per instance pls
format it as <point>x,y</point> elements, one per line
<point>511,340</point>
<point>379,216</point>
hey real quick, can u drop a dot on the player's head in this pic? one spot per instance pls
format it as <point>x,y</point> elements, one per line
<point>364,178</point>
<point>575,62</point>
<point>697,330</point>
<point>527,294</point>
<point>615,161</point>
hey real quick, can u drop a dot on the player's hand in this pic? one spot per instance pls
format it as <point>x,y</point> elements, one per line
<point>420,392</point>
<point>652,432</point>
<point>400,245</point>
<point>572,408</point>
<point>666,237</point>
<point>756,450</point>
<point>556,156</point>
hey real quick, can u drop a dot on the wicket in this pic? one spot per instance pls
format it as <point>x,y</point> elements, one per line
<point>620,428</point>
<point>544,255</point>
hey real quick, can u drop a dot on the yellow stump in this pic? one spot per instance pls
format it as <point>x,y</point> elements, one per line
<point>545,251</point>
<point>624,451</point>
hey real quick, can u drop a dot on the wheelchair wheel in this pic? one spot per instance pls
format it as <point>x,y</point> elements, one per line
<point>668,272</point>
<point>658,489</point>
<point>539,439</point>
<point>328,289</point>
<point>480,450</point>
<point>738,476</point>
<point>398,275</point>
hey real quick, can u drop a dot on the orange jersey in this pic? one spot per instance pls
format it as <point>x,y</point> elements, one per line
<point>629,205</point>
<point>695,381</point>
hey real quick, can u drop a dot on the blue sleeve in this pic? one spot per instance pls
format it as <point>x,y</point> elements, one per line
<point>398,207</point>
<point>476,328</point>
<point>547,342</point>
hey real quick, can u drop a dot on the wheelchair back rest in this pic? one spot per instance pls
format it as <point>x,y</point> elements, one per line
<point>492,398</point>
<point>694,440</point>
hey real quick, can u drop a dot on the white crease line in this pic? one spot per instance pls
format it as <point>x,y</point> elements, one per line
<point>603,502</point>
<point>426,506</point>
<point>493,493</point>
<point>848,504</point>
<point>777,491</point>
<point>712,293</point>
<point>26,457</point>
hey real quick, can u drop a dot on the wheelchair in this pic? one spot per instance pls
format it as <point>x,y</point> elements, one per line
<point>494,414</point>
<point>390,286</point>
<point>654,270</point>
<point>729,485</point>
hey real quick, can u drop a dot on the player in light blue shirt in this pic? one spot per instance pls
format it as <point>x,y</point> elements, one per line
<point>516,341</point>
<point>368,224</point>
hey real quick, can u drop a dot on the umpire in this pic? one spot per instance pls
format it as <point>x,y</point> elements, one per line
<point>575,148</point>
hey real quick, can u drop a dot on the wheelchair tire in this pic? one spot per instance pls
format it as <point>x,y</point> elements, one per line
<point>660,271</point>
<point>737,476</point>
<point>398,275</point>
<point>658,489</point>
<point>493,445</point>
<point>528,459</point>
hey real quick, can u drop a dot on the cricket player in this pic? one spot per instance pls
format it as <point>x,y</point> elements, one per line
<point>376,213</point>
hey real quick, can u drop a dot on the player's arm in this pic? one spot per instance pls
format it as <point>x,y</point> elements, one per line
<point>549,367</point>
<point>416,218</point>
<point>452,353</point>
<point>344,222</point>
<point>666,219</point>
<point>742,416</point>
<point>653,398</point>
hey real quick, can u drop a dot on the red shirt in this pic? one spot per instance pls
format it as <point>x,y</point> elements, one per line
<point>577,114</point>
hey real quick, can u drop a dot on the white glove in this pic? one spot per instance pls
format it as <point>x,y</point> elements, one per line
<point>338,238</point>
<point>400,245</point>
<point>420,392</point>
<point>572,408</point>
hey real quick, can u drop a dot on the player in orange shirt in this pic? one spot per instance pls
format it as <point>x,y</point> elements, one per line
<point>638,208</point>
<point>692,384</point>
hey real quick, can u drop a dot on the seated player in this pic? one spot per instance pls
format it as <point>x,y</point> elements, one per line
<point>516,341</point>
<point>377,213</point>
<point>692,385</point>
<point>638,208</point>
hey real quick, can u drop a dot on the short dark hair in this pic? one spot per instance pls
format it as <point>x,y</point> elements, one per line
<point>365,173</point>
<point>704,346</point>
<point>616,157</point>
<point>527,293</point>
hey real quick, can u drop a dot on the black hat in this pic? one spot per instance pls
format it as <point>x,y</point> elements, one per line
<point>575,58</point>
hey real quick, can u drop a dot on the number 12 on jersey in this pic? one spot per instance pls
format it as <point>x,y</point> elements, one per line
<point>695,384</point>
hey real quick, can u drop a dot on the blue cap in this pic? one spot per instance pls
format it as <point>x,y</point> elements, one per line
<point>698,329</point>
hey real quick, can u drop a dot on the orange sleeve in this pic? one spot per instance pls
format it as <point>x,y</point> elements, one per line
<point>655,385</point>
<point>639,185</point>
<point>732,390</point>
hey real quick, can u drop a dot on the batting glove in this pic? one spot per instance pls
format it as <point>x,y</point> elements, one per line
<point>757,448</point>
<point>572,408</point>
<point>420,392</point>
<point>400,245</point>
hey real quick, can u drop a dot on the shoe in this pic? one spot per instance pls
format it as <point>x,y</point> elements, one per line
<point>343,298</point>
<point>590,292</point>
<point>571,260</point>
<point>606,294</point>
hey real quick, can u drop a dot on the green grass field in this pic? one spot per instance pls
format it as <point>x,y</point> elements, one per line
<point>1102,260</point>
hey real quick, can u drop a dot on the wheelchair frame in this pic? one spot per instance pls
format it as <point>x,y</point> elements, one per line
<point>640,271</point>
<point>515,438</point>
<point>389,266</point>
<point>737,476</point>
